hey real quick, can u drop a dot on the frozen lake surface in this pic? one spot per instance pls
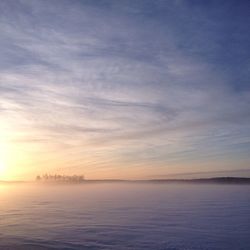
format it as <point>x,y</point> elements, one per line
<point>120,216</point>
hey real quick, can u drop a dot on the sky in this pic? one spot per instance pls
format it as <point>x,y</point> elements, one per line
<point>130,89</point>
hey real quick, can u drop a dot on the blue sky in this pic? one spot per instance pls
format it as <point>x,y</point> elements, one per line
<point>124,89</point>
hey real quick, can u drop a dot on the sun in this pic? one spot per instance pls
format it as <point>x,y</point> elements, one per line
<point>2,169</point>
<point>3,162</point>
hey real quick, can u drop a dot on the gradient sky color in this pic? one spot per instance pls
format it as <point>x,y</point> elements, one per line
<point>124,89</point>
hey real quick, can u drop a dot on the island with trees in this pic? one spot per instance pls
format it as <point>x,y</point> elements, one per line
<point>60,178</point>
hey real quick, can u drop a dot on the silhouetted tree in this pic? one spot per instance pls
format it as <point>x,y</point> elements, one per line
<point>61,178</point>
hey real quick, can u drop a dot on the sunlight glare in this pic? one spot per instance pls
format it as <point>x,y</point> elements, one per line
<point>2,168</point>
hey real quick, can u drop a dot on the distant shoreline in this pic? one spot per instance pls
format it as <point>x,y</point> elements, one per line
<point>214,180</point>
<point>219,180</point>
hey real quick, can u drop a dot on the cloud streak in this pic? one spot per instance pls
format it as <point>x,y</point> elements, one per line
<point>129,86</point>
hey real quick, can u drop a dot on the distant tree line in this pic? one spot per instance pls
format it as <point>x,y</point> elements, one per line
<point>60,178</point>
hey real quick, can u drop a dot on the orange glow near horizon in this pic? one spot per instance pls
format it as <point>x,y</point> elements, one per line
<point>9,159</point>
<point>3,153</point>
<point>22,158</point>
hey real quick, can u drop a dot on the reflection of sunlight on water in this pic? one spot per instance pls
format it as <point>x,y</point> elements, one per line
<point>11,195</point>
<point>3,189</point>
<point>5,194</point>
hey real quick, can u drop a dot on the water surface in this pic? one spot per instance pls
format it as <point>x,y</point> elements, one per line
<point>124,216</point>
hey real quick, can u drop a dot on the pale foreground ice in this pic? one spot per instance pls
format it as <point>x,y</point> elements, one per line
<point>118,216</point>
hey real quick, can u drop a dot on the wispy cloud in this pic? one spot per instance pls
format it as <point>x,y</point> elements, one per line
<point>120,84</point>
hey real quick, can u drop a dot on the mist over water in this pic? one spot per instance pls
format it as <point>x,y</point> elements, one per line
<point>123,216</point>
